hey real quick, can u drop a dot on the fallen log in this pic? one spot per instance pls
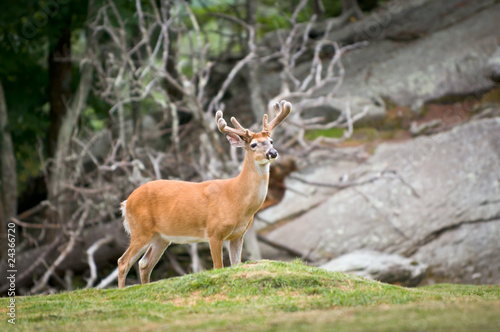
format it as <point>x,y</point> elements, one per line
<point>30,267</point>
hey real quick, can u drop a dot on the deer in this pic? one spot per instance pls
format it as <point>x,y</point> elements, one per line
<point>162,212</point>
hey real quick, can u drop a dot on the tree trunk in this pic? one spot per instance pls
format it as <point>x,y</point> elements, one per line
<point>8,176</point>
<point>170,66</point>
<point>257,104</point>
<point>318,8</point>
<point>59,86</point>
<point>61,173</point>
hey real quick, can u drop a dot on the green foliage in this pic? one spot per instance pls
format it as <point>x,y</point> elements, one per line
<point>271,15</point>
<point>28,30</point>
<point>332,8</point>
<point>269,296</point>
<point>95,123</point>
<point>333,133</point>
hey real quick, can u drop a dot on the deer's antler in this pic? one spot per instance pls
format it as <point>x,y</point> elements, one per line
<point>282,110</point>
<point>237,130</point>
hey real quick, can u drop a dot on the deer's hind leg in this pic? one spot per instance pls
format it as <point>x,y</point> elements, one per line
<point>151,257</point>
<point>137,247</point>
<point>235,248</point>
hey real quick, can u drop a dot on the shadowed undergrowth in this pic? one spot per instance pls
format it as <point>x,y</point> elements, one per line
<point>266,295</point>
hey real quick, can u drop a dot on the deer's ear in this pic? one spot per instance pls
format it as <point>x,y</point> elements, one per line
<point>235,140</point>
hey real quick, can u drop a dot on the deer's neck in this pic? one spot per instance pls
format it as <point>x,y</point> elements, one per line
<point>253,182</point>
<point>252,170</point>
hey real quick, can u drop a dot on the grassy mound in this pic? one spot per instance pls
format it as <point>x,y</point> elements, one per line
<point>267,295</point>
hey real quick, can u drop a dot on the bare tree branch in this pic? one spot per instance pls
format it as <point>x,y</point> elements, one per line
<point>108,280</point>
<point>90,258</point>
<point>42,283</point>
<point>31,225</point>
<point>175,264</point>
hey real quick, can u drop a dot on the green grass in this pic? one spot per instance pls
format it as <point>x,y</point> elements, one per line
<point>263,296</point>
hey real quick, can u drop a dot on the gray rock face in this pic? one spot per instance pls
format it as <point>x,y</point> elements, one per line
<point>414,55</point>
<point>418,51</point>
<point>467,253</point>
<point>432,66</point>
<point>493,68</point>
<point>301,197</point>
<point>443,210</point>
<point>379,266</point>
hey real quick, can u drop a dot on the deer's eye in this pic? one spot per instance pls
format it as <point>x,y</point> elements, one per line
<point>271,141</point>
<point>253,145</point>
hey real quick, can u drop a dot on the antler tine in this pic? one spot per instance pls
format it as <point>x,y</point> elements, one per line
<point>223,127</point>
<point>236,124</point>
<point>282,110</point>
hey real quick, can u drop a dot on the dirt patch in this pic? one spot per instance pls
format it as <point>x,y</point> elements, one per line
<point>254,274</point>
<point>345,288</point>
<point>248,265</point>
<point>451,114</point>
<point>196,297</point>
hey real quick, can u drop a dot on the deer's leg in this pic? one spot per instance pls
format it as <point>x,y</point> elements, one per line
<point>134,251</point>
<point>216,251</point>
<point>151,257</point>
<point>195,258</point>
<point>251,244</point>
<point>235,247</point>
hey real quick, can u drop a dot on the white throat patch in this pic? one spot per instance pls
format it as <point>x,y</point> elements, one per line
<point>263,169</point>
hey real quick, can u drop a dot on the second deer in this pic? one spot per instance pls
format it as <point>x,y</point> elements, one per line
<point>162,212</point>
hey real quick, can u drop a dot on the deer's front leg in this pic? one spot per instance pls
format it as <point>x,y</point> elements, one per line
<point>216,251</point>
<point>235,247</point>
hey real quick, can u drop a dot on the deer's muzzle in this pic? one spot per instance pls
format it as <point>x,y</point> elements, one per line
<point>272,154</point>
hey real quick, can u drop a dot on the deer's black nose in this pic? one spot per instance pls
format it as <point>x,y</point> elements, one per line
<point>272,154</point>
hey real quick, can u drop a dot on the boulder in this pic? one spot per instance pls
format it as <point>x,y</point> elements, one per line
<point>493,67</point>
<point>389,268</point>
<point>300,196</point>
<point>418,51</point>
<point>439,206</point>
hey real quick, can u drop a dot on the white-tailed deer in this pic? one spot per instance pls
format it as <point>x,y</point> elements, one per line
<point>163,211</point>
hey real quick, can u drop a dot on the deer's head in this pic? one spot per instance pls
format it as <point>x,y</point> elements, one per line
<point>259,144</point>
